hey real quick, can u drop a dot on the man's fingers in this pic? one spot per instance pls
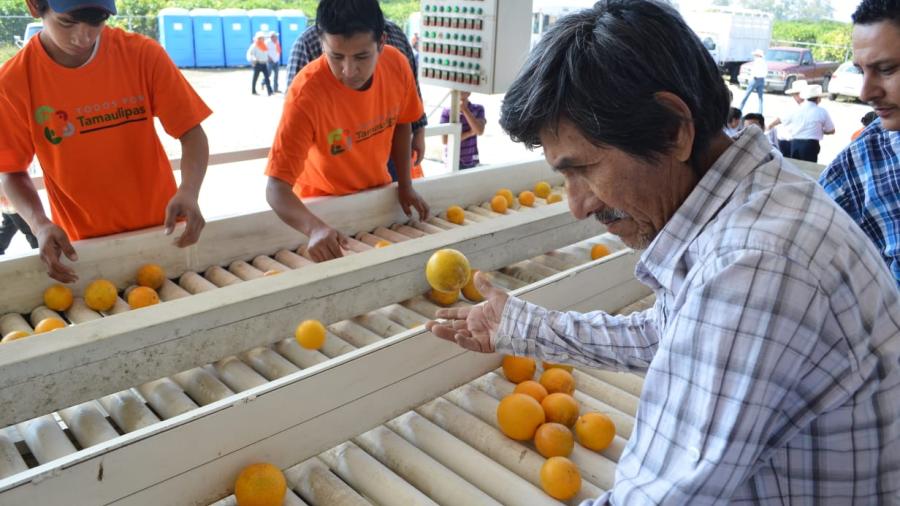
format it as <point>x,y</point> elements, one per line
<point>441,330</point>
<point>485,287</point>
<point>67,248</point>
<point>422,208</point>
<point>407,209</point>
<point>470,343</point>
<point>419,157</point>
<point>171,218</point>
<point>192,231</point>
<point>453,313</point>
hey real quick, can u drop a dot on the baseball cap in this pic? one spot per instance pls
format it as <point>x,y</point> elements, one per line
<point>66,6</point>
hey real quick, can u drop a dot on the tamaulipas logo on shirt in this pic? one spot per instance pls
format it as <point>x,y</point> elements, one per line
<point>339,141</point>
<point>58,124</point>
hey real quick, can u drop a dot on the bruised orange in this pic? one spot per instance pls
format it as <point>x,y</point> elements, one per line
<point>560,408</point>
<point>554,440</point>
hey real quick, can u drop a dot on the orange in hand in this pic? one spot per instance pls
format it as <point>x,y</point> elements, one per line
<point>470,291</point>
<point>447,270</point>
<point>443,298</point>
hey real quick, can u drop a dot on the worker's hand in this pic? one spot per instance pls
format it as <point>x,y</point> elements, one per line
<point>325,243</point>
<point>473,327</point>
<point>184,205</point>
<point>409,200</point>
<point>418,146</point>
<point>53,242</point>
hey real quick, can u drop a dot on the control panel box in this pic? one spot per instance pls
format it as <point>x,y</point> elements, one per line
<point>473,45</point>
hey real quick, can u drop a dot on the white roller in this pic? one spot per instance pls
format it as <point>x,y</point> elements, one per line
<point>505,280</point>
<point>379,324</point>
<point>244,270</point>
<point>619,399</point>
<point>202,386</point>
<point>528,271</point>
<point>290,499</point>
<point>13,321</point>
<point>88,424</point>
<point>220,277</point>
<point>79,312</point>
<point>418,469</point>
<point>195,283</point>
<point>354,334</point>
<point>45,438</point>
<point>119,307</point>
<point>554,262</point>
<point>631,383</point>
<point>422,306</point>
<point>467,462</point>
<point>319,486</point>
<point>266,263</point>
<point>353,246</point>
<point>237,375</point>
<point>442,223</point>
<point>170,291</point>
<point>300,356</point>
<point>369,239</point>
<point>42,312</point>
<point>402,315</point>
<point>368,476</point>
<point>291,259</point>
<point>128,411</point>
<point>268,363</point>
<point>408,231</point>
<point>335,346</point>
<point>390,235</point>
<point>428,228</point>
<point>166,397</point>
<point>11,462</point>
<point>477,214</point>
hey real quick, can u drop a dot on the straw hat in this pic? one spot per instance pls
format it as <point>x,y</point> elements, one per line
<point>811,91</point>
<point>797,87</point>
<point>758,52</point>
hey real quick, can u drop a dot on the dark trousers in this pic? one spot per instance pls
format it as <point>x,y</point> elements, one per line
<point>261,68</point>
<point>785,147</point>
<point>805,149</point>
<point>11,224</point>
<point>273,74</point>
<point>757,84</point>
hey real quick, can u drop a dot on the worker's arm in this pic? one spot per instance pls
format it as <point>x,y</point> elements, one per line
<point>400,155</point>
<point>52,240</point>
<point>324,242</point>
<point>774,124</point>
<point>194,159</point>
<point>828,127</point>
<point>476,125</point>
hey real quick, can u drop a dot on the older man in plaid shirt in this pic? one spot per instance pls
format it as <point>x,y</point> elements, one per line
<point>308,47</point>
<point>865,178</point>
<point>772,354</point>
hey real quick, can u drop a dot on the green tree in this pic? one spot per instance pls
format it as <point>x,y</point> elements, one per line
<point>792,9</point>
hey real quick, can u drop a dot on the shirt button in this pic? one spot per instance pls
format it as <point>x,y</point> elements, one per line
<point>693,454</point>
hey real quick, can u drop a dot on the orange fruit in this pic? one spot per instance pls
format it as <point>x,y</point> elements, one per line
<point>58,297</point>
<point>554,440</point>
<point>508,195</point>
<point>558,380</point>
<point>519,416</point>
<point>447,270</point>
<point>48,324</point>
<point>549,365</point>
<point>382,244</point>
<point>554,198</point>
<point>469,291</point>
<point>260,485</point>
<point>532,388</point>
<point>100,295</point>
<point>455,214</point>
<point>151,275</point>
<point>526,198</point>
<point>599,251</point>
<point>542,189</point>
<point>271,272</point>
<point>518,369</point>
<point>443,298</point>
<point>560,478</point>
<point>595,431</point>
<point>142,296</point>
<point>560,408</point>
<point>310,334</point>
<point>15,334</point>
<point>499,204</point>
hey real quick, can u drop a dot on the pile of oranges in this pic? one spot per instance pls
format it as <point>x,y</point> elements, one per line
<point>546,413</point>
<point>448,273</point>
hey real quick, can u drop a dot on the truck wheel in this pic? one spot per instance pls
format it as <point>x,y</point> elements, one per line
<point>734,69</point>
<point>789,83</point>
<point>825,83</point>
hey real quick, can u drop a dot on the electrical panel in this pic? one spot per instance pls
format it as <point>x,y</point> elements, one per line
<point>474,45</point>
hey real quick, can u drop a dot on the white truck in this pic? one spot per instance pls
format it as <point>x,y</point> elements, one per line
<point>731,34</point>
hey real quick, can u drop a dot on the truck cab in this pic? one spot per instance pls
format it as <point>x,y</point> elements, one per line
<point>31,30</point>
<point>789,64</point>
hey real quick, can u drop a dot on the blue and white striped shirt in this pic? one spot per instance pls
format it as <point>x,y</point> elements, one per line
<point>864,179</point>
<point>772,354</point>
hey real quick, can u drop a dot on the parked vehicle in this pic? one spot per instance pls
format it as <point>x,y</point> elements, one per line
<point>31,30</point>
<point>789,64</point>
<point>545,12</point>
<point>847,81</point>
<point>731,35</point>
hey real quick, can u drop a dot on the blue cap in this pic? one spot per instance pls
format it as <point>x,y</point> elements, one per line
<point>66,6</point>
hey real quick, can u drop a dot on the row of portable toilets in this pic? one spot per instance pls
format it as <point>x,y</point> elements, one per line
<point>220,38</point>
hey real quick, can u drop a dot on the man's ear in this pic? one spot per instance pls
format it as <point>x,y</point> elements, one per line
<point>683,143</point>
<point>382,41</point>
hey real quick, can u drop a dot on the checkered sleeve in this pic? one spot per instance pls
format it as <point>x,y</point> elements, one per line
<point>305,49</point>
<point>397,38</point>
<point>841,182</point>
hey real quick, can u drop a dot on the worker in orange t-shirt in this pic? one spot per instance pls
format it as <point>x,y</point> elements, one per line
<point>82,97</point>
<point>345,114</point>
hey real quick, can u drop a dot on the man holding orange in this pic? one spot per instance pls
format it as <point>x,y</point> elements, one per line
<point>345,114</point>
<point>82,97</point>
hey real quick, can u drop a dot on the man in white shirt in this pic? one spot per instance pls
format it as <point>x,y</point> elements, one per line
<point>274,51</point>
<point>809,124</point>
<point>772,354</point>
<point>758,71</point>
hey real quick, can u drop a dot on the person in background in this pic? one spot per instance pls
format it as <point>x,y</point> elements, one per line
<point>258,57</point>
<point>274,60</point>
<point>308,47</point>
<point>758,71</point>
<point>414,43</point>
<point>809,124</point>
<point>753,118</point>
<point>733,123</point>
<point>867,119</point>
<point>11,224</point>
<point>864,178</point>
<point>471,116</point>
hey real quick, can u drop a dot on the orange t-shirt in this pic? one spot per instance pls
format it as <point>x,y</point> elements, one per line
<point>92,130</point>
<point>333,140</point>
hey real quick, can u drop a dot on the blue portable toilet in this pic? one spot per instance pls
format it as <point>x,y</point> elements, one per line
<point>293,24</point>
<point>209,47</point>
<point>237,36</point>
<point>176,35</point>
<point>263,20</point>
